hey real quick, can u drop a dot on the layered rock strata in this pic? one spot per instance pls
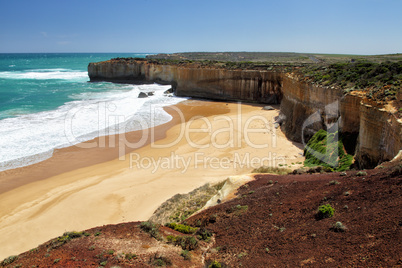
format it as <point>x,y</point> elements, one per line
<point>372,132</point>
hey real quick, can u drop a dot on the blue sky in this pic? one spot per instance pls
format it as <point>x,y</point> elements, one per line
<point>341,26</point>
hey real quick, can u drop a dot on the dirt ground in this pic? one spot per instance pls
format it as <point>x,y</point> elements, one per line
<point>271,223</point>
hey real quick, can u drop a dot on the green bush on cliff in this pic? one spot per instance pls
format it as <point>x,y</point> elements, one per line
<point>327,150</point>
<point>9,260</point>
<point>383,79</point>
<point>152,229</point>
<point>185,229</point>
<point>186,242</point>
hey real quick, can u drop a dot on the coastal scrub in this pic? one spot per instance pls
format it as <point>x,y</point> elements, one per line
<point>327,150</point>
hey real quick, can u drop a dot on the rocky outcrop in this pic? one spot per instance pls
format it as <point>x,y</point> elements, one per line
<point>368,130</point>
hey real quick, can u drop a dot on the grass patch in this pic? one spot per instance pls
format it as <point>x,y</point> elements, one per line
<point>272,170</point>
<point>327,150</point>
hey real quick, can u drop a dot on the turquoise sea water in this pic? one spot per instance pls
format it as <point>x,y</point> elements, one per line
<point>46,102</point>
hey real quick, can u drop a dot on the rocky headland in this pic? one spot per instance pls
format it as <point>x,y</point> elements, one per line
<point>372,128</point>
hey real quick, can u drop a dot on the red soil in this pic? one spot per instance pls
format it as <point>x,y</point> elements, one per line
<point>278,228</point>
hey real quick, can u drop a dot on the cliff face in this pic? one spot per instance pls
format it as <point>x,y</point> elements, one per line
<point>371,132</point>
<point>187,81</point>
<point>380,135</point>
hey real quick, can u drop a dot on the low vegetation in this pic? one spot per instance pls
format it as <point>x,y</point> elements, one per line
<point>238,209</point>
<point>383,80</point>
<point>215,264</point>
<point>325,211</point>
<point>272,170</point>
<point>186,254</point>
<point>8,260</point>
<point>160,260</point>
<point>185,229</point>
<point>181,206</point>
<point>185,242</point>
<point>327,150</point>
<point>152,229</point>
<point>67,236</point>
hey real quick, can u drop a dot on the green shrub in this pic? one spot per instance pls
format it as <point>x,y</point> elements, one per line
<point>360,75</point>
<point>186,242</point>
<point>204,234</point>
<point>186,254</point>
<point>130,256</point>
<point>327,150</point>
<point>67,236</point>
<point>215,264</point>
<point>152,229</point>
<point>8,260</point>
<point>160,260</point>
<point>325,211</point>
<point>185,229</point>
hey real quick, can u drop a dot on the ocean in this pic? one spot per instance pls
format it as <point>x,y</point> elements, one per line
<point>46,103</point>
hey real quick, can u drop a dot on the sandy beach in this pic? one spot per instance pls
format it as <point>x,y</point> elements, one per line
<point>120,181</point>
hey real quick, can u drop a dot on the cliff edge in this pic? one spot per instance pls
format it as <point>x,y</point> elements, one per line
<point>371,131</point>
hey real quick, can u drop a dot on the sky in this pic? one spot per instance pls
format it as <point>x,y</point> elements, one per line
<point>363,27</point>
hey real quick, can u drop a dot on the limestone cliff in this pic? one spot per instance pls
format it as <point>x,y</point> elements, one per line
<point>373,133</point>
<point>368,129</point>
<point>194,81</point>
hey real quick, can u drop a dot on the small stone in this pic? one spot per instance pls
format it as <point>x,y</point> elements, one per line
<point>268,108</point>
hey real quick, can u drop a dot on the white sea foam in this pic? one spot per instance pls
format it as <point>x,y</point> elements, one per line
<point>46,74</point>
<point>31,138</point>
